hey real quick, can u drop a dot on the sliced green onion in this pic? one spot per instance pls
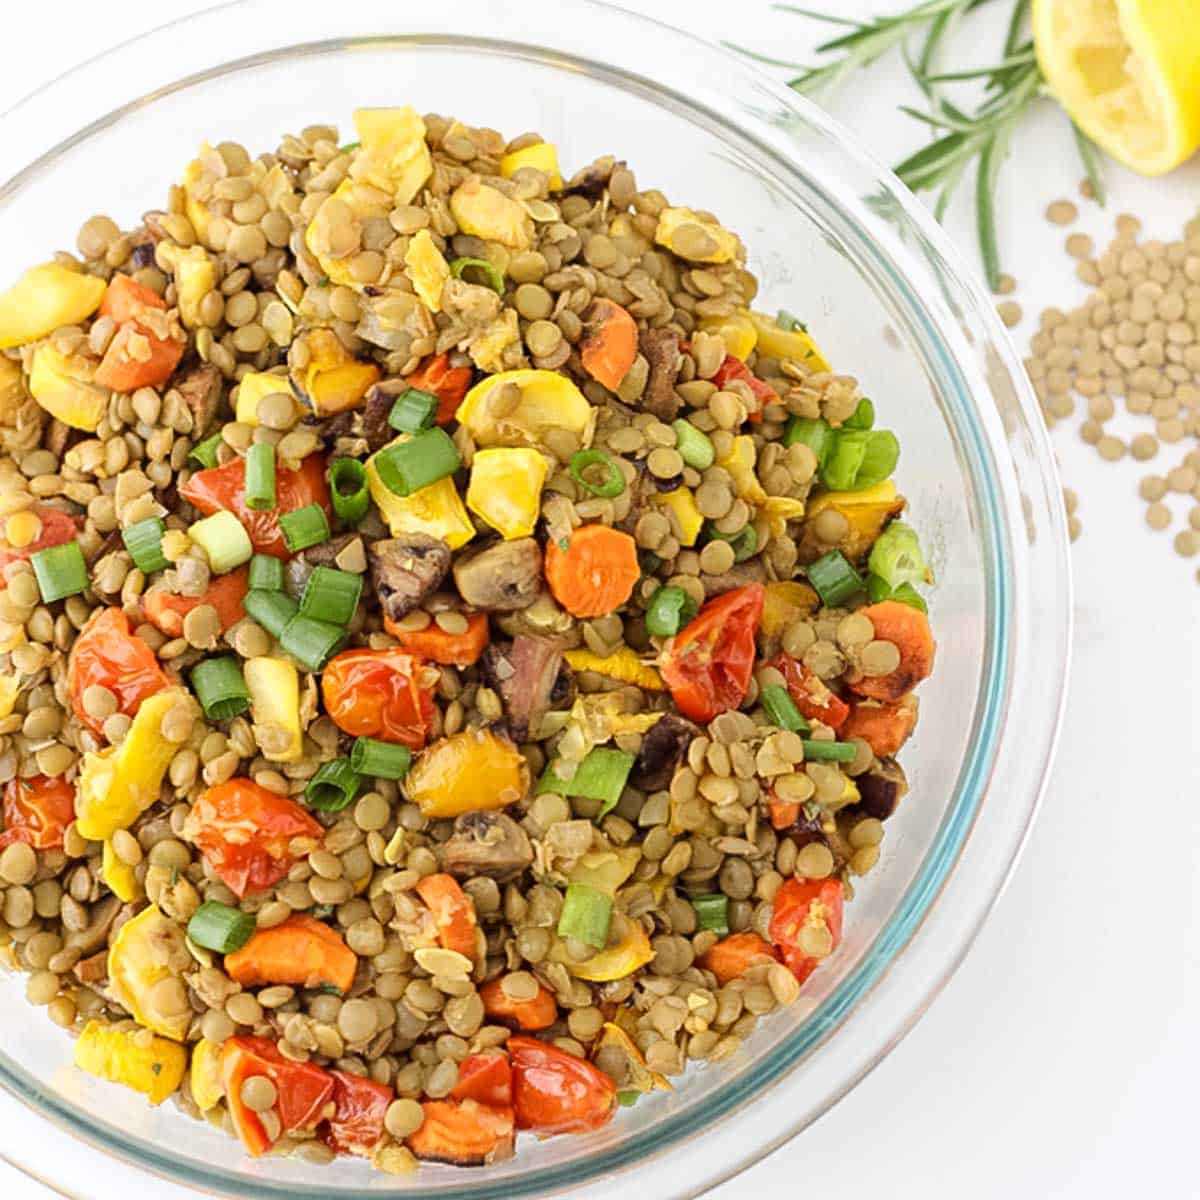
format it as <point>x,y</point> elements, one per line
<point>424,459</point>
<point>601,776</point>
<point>349,490</point>
<point>384,760</point>
<point>712,912</point>
<point>879,459</point>
<point>694,447</point>
<point>333,787</point>
<point>143,540</point>
<point>877,590</point>
<point>613,483</point>
<point>304,527</point>
<point>907,594</point>
<point>785,320</point>
<point>204,454</point>
<point>310,642</point>
<point>811,432</point>
<point>628,1098</point>
<point>896,556</point>
<point>863,417</point>
<point>349,147</point>
<point>744,542</point>
<point>266,574</point>
<point>842,464</point>
<point>260,476</point>
<point>834,578</point>
<point>819,751</point>
<point>781,708</point>
<point>492,277</point>
<point>331,595</point>
<point>586,915</point>
<point>60,570</point>
<point>413,411</point>
<point>271,609</point>
<point>670,609</point>
<point>220,687</point>
<point>224,539</point>
<point>220,927</point>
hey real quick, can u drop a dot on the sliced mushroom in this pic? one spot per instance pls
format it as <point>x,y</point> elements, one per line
<point>368,423</point>
<point>200,390</point>
<point>881,788</point>
<point>101,919</point>
<point>405,569</point>
<point>531,677</point>
<point>739,575</point>
<point>486,843</point>
<point>501,577</point>
<point>661,350</point>
<point>299,567</point>
<point>663,745</point>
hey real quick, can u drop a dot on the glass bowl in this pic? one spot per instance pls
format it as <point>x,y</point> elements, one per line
<point>832,237</point>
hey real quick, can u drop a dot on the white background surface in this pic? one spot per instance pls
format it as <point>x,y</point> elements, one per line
<point>1063,1059</point>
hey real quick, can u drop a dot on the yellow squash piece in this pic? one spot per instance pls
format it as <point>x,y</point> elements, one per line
<point>624,665</point>
<point>614,962</point>
<point>796,344</point>
<point>44,299</point>
<point>737,330</point>
<point>785,603</point>
<point>542,156</point>
<point>334,380</point>
<point>547,401</point>
<point>1128,72</point>
<point>867,513</point>
<point>486,212</point>
<point>436,510</point>
<point>10,687</point>
<point>119,877</point>
<point>689,235</point>
<point>151,1066</point>
<point>195,277</point>
<point>740,463</point>
<point>204,1077</point>
<point>251,390</point>
<point>427,269</point>
<point>683,504</point>
<point>778,511</point>
<point>472,770</point>
<point>363,200</point>
<point>605,870</point>
<point>393,154</point>
<point>196,187</point>
<point>498,347</point>
<point>64,388</point>
<point>638,1077</point>
<point>274,686</point>
<point>13,395</point>
<point>149,949</point>
<point>505,489</point>
<point>116,785</point>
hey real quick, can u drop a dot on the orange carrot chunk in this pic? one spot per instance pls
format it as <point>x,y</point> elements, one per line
<point>530,1015</point>
<point>453,912</point>
<point>463,1132</point>
<point>610,343</point>
<point>595,573</point>
<point>884,727</point>
<point>302,951</point>
<point>137,358</point>
<point>737,953</point>
<point>435,644</point>
<point>126,299</point>
<point>908,630</point>
<point>166,610</point>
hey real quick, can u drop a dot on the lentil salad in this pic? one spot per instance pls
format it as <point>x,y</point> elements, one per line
<point>455,648</point>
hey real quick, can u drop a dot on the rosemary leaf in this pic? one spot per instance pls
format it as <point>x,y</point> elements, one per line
<point>1091,162</point>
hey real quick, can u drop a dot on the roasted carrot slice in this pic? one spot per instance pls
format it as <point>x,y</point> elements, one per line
<point>449,384</point>
<point>908,630</point>
<point>302,951</point>
<point>734,954</point>
<point>884,727</point>
<point>166,610</point>
<point>610,343</point>
<point>464,1133</point>
<point>595,573</point>
<point>453,912</point>
<point>531,1015</point>
<point>435,644</point>
<point>126,299</point>
<point>782,812</point>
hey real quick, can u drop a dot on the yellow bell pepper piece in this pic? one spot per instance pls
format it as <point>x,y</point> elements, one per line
<point>505,489</point>
<point>471,770</point>
<point>149,949</point>
<point>739,462</point>
<point>881,493</point>
<point>486,212</point>
<point>274,686</point>
<point>779,510</point>
<point>795,344</point>
<point>867,513</point>
<point>702,241</point>
<point>393,154</point>
<point>64,388</point>
<point>542,156</point>
<point>152,1066</point>
<point>253,388</point>
<point>639,1077</point>
<point>119,876</point>
<point>547,401</point>
<point>194,207</point>
<point>195,277</point>
<point>605,870</point>
<point>737,330</point>
<point>785,603</point>
<point>44,299</point>
<point>683,504</point>
<point>436,510</point>
<point>614,962</point>
<point>427,269</point>
<point>334,379</point>
<point>204,1077</point>
<point>10,687</point>
<point>624,665</point>
<point>117,784</point>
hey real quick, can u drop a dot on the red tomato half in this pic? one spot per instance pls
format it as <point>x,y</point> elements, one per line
<point>486,1078</point>
<point>57,528</point>
<point>801,903</point>
<point>243,830</point>
<point>360,1105</point>
<point>37,810</point>
<point>555,1092</point>
<point>811,694</point>
<point>379,694</point>
<point>107,654</point>
<point>708,664</point>
<point>225,488</point>
<point>734,368</point>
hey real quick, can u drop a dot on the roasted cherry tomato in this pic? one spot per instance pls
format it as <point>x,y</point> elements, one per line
<point>555,1092</point>
<point>810,693</point>
<point>734,368</point>
<point>57,527</point>
<point>243,830</point>
<point>380,694</point>
<point>449,384</point>
<point>708,664</point>
<point>166,610</point>
<point>302,1089</point>
<point>486,1078</point>
<point>106,654</point>
<point>800,904</point>
<point>37,810</point>
<point>360,1104</point>
<point>225,488</point>
<point>464,1133</point>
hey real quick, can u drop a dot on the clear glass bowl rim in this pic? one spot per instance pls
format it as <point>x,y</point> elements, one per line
<point>24,128</point>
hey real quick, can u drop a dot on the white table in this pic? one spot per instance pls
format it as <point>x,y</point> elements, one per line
<point>1062,1059</point>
